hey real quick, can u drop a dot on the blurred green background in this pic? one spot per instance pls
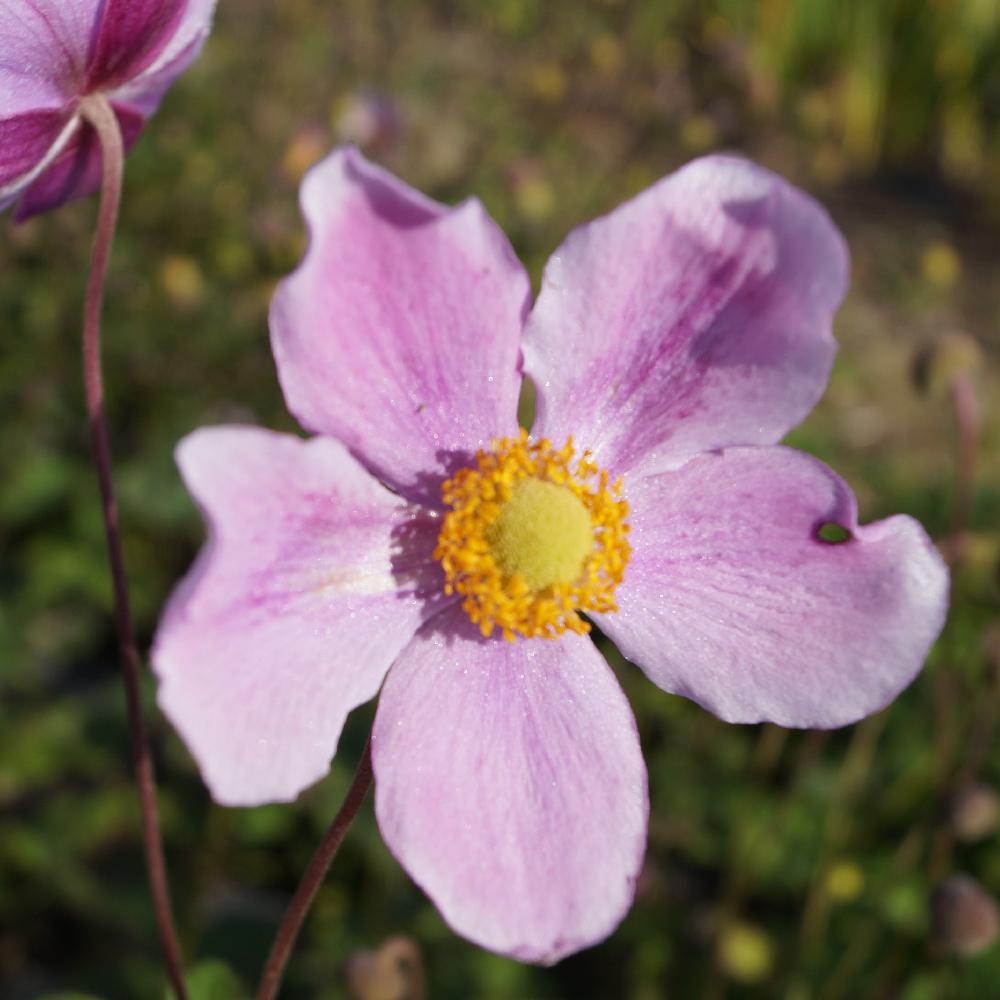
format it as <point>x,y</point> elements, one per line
<point>780,864</point>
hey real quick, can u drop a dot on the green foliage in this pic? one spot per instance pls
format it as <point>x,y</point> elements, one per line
<point>212,980</point>
<point>779,863</point>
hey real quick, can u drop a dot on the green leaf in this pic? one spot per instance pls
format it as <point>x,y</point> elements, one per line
<point>212,979</point>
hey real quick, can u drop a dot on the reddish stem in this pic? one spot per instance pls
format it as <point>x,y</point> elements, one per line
<point>312,878</point>
<point>99,113</point>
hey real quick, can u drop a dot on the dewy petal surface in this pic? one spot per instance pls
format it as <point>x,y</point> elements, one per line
<point>310,584</point>
<point>733,601</point>
<point>398,334</point>
<point>695,316</point>
<point>510,784</point>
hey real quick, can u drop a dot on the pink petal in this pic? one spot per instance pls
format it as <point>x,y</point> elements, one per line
<point>24,141</point>
<point>398,334</point>
<point>733,600</point>
<point>510,784</point>
<point>313,579</point>
<point>43,52</point>
<point>144,92</point>
<point>693,317</point>
<point>130,36</point>
<point>76,171</point>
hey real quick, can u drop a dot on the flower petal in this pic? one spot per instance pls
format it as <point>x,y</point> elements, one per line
<point>510,784</point>
<point>75,170</point>
<point>43,52</point>
<point>144,92</point>
<point>398,334</point>
<point>130,36</point>
<point>25,140</point>
<point>693,317</point>
<point>312,581</point>
<point>732,598</point>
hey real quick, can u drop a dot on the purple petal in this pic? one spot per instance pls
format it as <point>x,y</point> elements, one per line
<point>76,171</point>
<point>146,90</point>
<point>510,784</point>
<point>693,317</point>
<point>43,52</point>
<point>130,36</point>
<point>732,599</point>
<point>311,583</point>
<point>398,334</point>
<point>25,140</point>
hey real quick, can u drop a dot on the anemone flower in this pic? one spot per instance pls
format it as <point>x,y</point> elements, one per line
<point>420,543</point>
<point>54,54</point>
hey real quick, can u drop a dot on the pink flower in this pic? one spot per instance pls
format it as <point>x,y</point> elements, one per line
<point>53,54</point>
<point>677,340</point>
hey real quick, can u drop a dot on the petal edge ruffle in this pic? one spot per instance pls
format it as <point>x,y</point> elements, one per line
<point>313,579</point>
<point>697,316</point>
<point>732,599</point>
<point>426,302</point>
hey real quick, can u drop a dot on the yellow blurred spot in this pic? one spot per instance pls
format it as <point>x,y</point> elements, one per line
<point>940,264</point>
<point>607,54</point>
<point>698,133</point>
<point>549,82</point>
<point>306,147</point>
<point>745,953</point>
<point>535,198</point>
<point>181,279</point>
<point>844,882</point>
<point>950,356</point>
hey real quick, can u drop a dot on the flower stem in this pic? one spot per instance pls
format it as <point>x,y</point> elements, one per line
<point>99,113</point>
<point>312,878</point>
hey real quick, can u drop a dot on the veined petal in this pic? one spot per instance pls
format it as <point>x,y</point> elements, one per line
<point>510,784</point>
<point>693,317</point>
<point>130,35</point>
<point>43,52</point>
<point>733,600</point>
<point>25,141</point>
<point>75,169</point>
<point>145,91</point>
<point>398,334</point>
<point>313,579</point>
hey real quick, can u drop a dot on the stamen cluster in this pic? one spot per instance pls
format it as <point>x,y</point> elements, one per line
<point>498,599</point>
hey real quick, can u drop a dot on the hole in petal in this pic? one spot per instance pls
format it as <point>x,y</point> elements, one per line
<point>833,533</point>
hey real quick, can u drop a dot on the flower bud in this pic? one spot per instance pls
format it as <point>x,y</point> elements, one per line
<point>938,363</point>
<point>394,971</point>
<point>974,812</point>
<point>964,917</point>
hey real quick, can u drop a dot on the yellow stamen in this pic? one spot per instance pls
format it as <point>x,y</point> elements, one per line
<point>532,538</point>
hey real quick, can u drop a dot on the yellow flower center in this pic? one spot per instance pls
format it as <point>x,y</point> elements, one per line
<point>543,532</point>
<point>533,537</point>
